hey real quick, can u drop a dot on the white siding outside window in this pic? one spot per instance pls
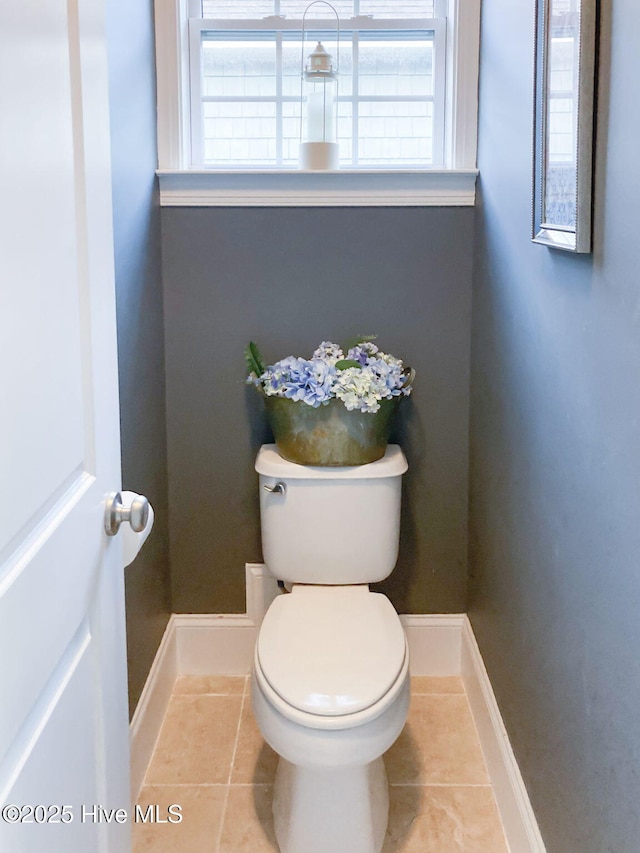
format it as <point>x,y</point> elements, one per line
<point>245,75</point>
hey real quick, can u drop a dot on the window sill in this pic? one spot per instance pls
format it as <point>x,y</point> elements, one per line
<point>344,188</point>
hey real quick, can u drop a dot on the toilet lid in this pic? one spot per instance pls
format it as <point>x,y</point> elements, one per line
<point>331,650</point>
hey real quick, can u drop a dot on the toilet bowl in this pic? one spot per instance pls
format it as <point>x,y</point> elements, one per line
<point>330,680</point>
<point>330,705</point>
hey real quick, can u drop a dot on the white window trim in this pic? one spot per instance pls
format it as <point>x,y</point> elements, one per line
<point>452,186</point>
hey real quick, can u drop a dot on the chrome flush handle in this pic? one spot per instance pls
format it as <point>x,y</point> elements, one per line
<point>280,488</point>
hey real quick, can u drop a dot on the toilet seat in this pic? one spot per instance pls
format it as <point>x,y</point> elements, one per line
<point>331,657</point>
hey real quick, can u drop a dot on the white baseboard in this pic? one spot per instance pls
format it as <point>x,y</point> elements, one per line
<point>518,820</point>
<point>214,645</point>
<point>152,706</point>
<point>434,642</point>
<point>439,645</point>
<point>204,645</point>
<point>224,644</point>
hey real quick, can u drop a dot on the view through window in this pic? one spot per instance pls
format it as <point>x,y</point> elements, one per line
<point>245,63</point>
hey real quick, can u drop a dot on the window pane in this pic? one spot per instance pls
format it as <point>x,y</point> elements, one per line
<point>561,6</point>
<point>238,69</point>
<point>397,8</point>
<point>239,133</point>
<point>290,133</point>
<point>291,74</point>
<point>396,132</point>
<point>561,144</point>
<point>562,62</point>
<point>396,68</point>
<point>236,9</point>
<point>345,134</point>
<point>251,116</point>
<point>295,9</point>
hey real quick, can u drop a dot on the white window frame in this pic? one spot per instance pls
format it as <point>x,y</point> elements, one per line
<point>451,185</point>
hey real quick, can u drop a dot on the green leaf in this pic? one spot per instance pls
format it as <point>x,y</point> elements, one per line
<point>254,360</point>
<point>346,363</point>
<point>361,339</point>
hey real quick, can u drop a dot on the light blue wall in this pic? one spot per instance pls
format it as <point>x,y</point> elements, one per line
<point>555,449</point>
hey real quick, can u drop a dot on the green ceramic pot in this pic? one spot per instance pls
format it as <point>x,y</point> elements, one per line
<point>329,435</point>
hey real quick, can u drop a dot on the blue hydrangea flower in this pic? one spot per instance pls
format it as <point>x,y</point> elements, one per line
<point>316,380</point>
<point>363,352</point>
<point>299,379</point>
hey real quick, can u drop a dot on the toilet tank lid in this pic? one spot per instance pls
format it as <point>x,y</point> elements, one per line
<point>271,464</point>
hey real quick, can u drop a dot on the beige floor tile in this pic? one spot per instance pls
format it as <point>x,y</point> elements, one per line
<point>438,745</point>
<point>219,685</point>
<point>248,822</point>
<point>440,799</point>
<point>196,742</point>
<point>426,684</point>
<point>201,809</point>
<point>254,761</point>
<point>446,819</point>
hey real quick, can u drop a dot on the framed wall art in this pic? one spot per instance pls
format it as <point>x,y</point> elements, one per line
<point>563,123</point>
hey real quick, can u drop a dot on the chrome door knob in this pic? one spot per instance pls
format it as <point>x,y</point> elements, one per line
<point>137,513</point>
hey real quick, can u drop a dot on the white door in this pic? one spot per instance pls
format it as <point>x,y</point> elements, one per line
<point>63,707</point>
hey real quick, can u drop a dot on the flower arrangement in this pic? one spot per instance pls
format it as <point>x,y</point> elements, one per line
<point>362,378</point>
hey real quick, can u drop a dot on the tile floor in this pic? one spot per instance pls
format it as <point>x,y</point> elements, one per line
<point>211,760</point>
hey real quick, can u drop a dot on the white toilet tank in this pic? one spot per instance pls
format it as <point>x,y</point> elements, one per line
<point>330,525</point>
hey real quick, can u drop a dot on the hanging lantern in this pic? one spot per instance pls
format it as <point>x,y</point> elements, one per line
<point>319,94</point>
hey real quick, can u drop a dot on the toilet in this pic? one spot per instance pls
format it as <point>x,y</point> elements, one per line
<point>330,680</point>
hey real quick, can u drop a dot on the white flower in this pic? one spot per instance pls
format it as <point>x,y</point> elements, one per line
<point>328,352</point>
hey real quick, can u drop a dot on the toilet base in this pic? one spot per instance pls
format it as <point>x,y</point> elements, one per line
<point>343,810</point>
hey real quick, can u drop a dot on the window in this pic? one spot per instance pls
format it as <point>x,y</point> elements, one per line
<point>245,99</point>
<point>229,95</point>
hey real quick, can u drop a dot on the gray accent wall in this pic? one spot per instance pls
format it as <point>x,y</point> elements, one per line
<point>139,315</point>
<point>555,449</point>
<point>289,278</point>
